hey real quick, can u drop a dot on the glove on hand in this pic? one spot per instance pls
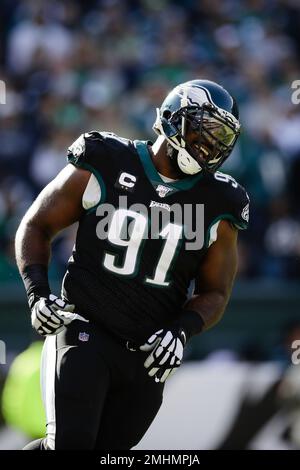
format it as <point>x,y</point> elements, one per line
<point>166,348</point>
<point>50,315</point>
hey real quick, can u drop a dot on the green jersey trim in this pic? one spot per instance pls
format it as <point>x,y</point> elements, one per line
<point>153,175</point>
<point>225,216</point>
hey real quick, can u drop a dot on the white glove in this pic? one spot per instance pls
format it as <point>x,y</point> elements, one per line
<point>50,315</point>
<point>167,352</point>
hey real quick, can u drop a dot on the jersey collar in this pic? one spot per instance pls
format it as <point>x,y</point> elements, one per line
<point>154,177</point>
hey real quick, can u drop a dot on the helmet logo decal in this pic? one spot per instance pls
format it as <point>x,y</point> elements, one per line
<point>193,96</point>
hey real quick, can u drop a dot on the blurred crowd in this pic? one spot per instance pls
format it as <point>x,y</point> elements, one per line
<point>75,65</point>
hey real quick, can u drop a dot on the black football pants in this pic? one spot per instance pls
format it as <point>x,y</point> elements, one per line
<point>96,392</point>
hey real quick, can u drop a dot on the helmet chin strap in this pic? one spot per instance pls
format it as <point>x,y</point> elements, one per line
<point>186,163</point>
<point>182,161</point>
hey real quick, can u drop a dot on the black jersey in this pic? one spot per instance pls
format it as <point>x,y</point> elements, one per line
<point>127,272</point>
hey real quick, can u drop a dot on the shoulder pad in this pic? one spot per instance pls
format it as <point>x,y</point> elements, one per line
<point>91,146</point>
<point>82,149</point>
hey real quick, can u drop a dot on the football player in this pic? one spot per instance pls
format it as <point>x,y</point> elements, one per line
<point>119,329</point>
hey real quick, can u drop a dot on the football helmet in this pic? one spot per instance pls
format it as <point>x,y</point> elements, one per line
<point>200,122</point>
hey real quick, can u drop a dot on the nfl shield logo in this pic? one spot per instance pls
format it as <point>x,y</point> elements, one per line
<point>163,190</point>
<point>83,336</point>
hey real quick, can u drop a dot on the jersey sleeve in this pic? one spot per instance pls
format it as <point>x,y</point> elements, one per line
<point>85,149</point>
<point>232,200</point>
<point>86,152</point>
<point>239,207</point>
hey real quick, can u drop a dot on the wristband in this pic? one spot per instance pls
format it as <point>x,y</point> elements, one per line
<point>35,278</point>
<point>191,322</point>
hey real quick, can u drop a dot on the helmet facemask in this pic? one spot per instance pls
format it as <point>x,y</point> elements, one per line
<point>202,136</point>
